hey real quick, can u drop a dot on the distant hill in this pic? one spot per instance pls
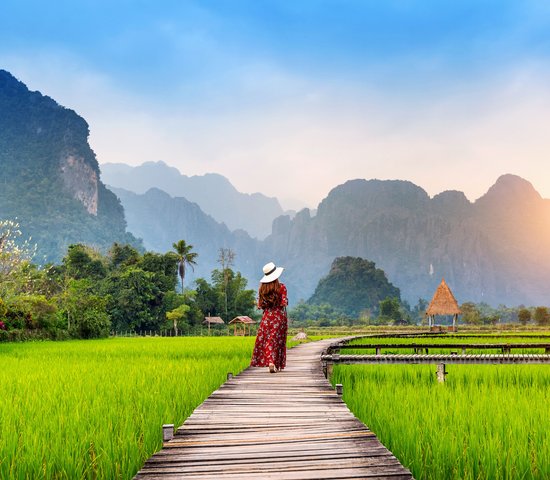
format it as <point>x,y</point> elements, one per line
<point>162,220</point>
<point>495,250</point>
<point>353,285</point>
<point>49,176</point>
<point>212,192</point>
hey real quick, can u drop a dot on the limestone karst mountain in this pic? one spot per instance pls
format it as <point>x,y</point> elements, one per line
<point>495,250</point>
<point>49,176</point>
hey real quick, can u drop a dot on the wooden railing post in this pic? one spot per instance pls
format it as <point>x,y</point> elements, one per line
<point>339,389</point>
<point>167,432</point>
<point>229,375</point>
<point>441,372</point>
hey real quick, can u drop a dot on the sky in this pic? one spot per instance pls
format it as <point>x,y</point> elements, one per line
<point>294,97</point>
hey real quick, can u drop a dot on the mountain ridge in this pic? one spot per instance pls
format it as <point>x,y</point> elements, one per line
<point>213,192</point>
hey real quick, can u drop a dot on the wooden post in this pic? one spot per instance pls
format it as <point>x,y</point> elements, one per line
<point>339,389</point>
<point>325,369</point>
<point>167,432</point>
<point>547,350</point>
<point>378,351</point>
<point>229,376</point>
<point>463,350</point>
<point>440,372</point>
<point>329,369</point>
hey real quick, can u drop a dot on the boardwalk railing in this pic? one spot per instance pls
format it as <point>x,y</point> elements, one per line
<point>328,360</point>
<point>424,347</point>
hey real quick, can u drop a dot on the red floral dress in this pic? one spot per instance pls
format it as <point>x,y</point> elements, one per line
<point>270,344</point>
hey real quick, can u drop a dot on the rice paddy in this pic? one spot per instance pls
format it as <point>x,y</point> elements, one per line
<point>94,409</point>
<point>484,422</point>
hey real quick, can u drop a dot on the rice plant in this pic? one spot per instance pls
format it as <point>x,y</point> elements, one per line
<point>484,422</point>
<point>94,409</point>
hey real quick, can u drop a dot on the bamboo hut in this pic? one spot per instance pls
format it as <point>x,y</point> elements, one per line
<point>241,324</point>
<point>443,303</point>
<point>213,321</point>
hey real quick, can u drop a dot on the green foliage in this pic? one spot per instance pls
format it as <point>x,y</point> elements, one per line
<point>323,315</point>
<point>185,257</point>
<point>82,261</point>
<point>542,316</point>
<point>352,286</point>
<point>470,314</point>
<point>86,312</point>
<point>390,311</point>
<point>230,287</point>
<point>524,316</point>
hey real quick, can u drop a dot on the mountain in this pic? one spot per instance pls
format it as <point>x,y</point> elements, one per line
<point>212,192</point>
<point>49,176</point>
<point>353,286</point>
<point>495,250</point>
<point>162,220</point>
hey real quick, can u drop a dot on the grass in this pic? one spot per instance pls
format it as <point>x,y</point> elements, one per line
<point>484,422</point>
<point>94,409</point>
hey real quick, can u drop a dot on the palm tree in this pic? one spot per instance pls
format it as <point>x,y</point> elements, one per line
<point>185,257</point>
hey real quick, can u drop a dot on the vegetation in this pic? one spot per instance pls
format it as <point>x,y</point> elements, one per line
<point>353,286</point>
<point>90,294</point>
<point>93,409</point>
<point>483,422</point>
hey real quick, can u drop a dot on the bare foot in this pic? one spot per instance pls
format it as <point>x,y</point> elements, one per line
<point>272,368</point>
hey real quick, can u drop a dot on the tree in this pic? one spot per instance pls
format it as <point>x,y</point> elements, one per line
<point>185,257</point>
<point>240,301</point>
<point>14,252</point>
<point>524,316</point>
<point>135,301</point>
<point>470,313</point>
<point>542,316</point>
<point>82,261</point>
<point>390,309</point>
<point>86,311</point>
<point>226,259</point>
<point>177,315</point>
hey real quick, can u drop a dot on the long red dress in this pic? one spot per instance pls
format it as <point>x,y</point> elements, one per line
<point>270,344</point>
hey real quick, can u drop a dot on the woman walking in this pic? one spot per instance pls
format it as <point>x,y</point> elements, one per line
<point>270,347</point>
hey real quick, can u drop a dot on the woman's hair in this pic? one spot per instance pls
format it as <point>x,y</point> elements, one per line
<point>270,295</point>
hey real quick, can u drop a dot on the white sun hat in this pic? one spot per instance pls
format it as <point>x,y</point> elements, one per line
<point>271,272</point>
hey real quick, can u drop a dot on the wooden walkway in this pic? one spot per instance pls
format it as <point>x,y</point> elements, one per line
<point>287,425</point>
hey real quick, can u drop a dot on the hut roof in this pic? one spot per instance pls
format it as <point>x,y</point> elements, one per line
<point>242,319</point>
<point>443,302</point>
<point>213,320</point>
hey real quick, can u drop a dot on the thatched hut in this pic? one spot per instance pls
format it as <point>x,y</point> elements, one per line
<point>241,324</point>
<point>443,303</point>
<point>213,321</point>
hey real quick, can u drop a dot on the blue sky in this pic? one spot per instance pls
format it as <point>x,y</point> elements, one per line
<point>294,97</point>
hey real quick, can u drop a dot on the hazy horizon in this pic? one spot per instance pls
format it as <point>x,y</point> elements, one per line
<point>294,98</point>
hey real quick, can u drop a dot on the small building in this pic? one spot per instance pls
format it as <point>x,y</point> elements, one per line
<point>213,321</point>
<point>242,323</point>
<point>443,303</point>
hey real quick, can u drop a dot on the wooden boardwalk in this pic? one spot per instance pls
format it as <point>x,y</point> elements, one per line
<point>287,425</point>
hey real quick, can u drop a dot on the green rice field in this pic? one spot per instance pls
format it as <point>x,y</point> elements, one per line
<point>94,409</point>
<point>484,422</point>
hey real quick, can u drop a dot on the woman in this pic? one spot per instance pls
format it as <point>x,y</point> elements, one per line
<point>270,348</point>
